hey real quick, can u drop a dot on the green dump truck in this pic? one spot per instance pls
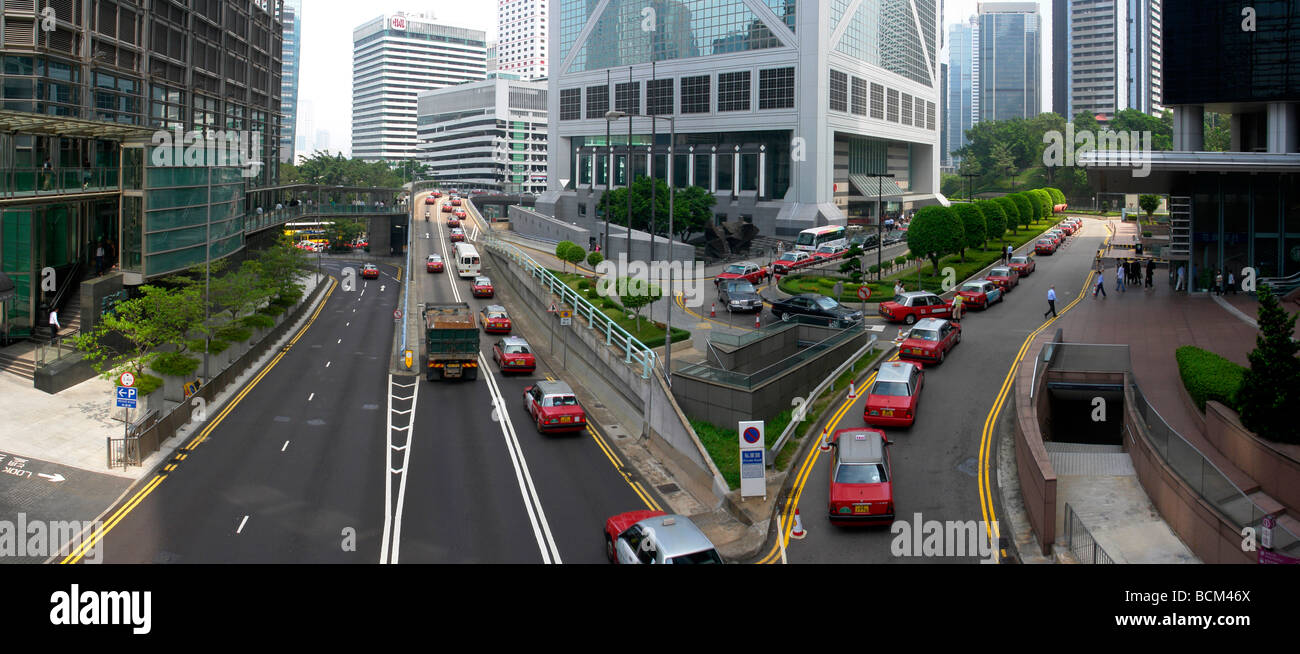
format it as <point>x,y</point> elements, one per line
<point>451,342</point>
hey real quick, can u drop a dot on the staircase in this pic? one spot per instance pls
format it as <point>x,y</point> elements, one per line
<point>70,315</point>
<point>1180,229</point>
<point>19,361</point>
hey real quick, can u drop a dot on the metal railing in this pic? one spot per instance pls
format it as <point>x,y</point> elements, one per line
<point>1080,540</point>
<point>812,398</point>
<point>255,221</point>
<point>749,381</point>
<point>40,182</point>
<point>1198,472</point>
<point>58,348</point>
<point>635,352</point>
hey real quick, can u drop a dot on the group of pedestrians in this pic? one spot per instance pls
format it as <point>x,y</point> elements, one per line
<point>1218,283</point>
<point>1130,272</point>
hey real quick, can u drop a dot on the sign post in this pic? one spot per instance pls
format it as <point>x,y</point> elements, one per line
<point>753,466</point>
<point>864,294</point>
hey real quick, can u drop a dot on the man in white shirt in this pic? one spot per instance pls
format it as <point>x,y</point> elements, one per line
<point>1051,302</point>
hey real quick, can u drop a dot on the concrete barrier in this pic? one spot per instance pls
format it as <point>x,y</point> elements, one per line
<point>537,226</point>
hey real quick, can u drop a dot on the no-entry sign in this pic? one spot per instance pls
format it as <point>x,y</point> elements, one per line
<point>864,293</point>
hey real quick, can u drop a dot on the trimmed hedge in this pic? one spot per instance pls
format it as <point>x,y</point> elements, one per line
<point>234,333</point>
<point>1208,376</point>
<point>147,384</point>
<point>257,321</point>
<point>679,336</point>
<point>216,346</point>
<point>175,364</point>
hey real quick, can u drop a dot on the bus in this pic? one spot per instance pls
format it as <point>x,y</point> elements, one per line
<point>811,239</point>
<point>313,232</point>
<point>468,263</point>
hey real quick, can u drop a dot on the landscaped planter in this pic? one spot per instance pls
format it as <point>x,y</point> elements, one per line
<point>176,369</point>
<point>149,398</point>
<point>238,337</point>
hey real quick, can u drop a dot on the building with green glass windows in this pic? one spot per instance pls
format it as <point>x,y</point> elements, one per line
<point>88,90</point>
<point>788,111</point>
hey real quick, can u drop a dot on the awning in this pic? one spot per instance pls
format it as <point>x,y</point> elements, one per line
<point>872,187</point>
<point>23,122</point>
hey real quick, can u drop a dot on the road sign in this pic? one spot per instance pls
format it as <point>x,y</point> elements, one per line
<point>397,315</point>
<point>127,379</point>
<point>127,397</point>
<point>753,469</point>
<point>1266,532</point>
<point>838,290</point>
<point>864,293</point>
<point>566,317</point>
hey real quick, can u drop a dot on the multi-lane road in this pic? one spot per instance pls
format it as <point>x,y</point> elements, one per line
<point>326,456</point>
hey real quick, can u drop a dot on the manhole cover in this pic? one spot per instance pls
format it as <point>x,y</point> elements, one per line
<point>668,488</point>
<point>282,419</point>
<point>968,466</point>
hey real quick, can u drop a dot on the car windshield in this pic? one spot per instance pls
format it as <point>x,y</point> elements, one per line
<point>516,349</point>
<point>1000,272</point>
<point>978,288</point>
<point>696,558</point>
<point>860,473</point>
<point>1019,260</point>
<point>925,334</point>
<point>788,256</point>
<point>826,303</point>
<point>740,287</point>
<point>496,314</point>
<point>735,270</point>
<point>890,388</point>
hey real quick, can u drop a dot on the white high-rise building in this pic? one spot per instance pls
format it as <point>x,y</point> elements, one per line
<point>521,38</point>
<point>395,57</point>
<point>489,134</point>
<point>1112,56</point>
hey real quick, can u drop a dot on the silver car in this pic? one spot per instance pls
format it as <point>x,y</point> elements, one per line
<point>658,539</point>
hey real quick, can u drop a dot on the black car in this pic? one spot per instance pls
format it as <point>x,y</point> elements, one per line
<point>866,240</point>
<point>739,295</point>
<point>818,307</point>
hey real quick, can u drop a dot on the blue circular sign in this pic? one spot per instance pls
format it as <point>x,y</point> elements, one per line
<point>751,435</point>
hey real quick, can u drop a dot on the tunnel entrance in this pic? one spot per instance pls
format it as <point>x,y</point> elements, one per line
<point>1086,413</point>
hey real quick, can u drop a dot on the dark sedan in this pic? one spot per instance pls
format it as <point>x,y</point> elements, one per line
<point>818,307</point>
<point>739,295</point>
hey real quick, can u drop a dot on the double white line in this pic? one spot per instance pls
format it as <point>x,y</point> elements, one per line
<point>393,520</point>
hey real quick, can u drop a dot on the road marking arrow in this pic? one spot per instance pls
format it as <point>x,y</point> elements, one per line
<point>56,477</point>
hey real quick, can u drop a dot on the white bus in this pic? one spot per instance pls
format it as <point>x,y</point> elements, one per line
<point>468,263</point>
<point>811,239</point>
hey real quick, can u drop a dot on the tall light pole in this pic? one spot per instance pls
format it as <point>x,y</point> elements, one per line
<point>880,218</point>
<point>207,283</point>
<point>609,169</point>
<point>969,185</point>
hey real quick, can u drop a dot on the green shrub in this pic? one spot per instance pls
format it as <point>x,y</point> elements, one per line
<point>147,384</point>
<point>271,310</point>
<point>215,346</point>
<point>679,336</point>
<point>874,269</point>
<point>592,294</point>
<point>1146,234</point>
<point>175,364</point>
<point>594,259</point>
<point>235,333</point>
<point>257,321</point>
<point>584,285</point>
<point>900,261</point>
<point>1208,376</point>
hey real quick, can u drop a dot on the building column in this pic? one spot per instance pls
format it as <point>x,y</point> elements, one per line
<point>735,171</point>
<point>690,172</point>
<point>713,170</point>
<point>1283,129</point>
<point>762,171</point>
<point>1189,128</point>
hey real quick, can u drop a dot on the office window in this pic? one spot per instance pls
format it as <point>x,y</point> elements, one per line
<point>570,104</point>
<point>891,106</point>
<point>929,115</point>
<point>776,88</point>
<point>878,101</point>
<point>695,94</point>
<point>659,97</point>
<point>597,101</point>
<point>733,91</point>
<point>839,91</point>
<point>920,112</point>
<point>627,97</point>
<point>907,109</point>
<point>859,99</point>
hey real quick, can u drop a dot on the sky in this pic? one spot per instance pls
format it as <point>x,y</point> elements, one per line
<point>325,74</point>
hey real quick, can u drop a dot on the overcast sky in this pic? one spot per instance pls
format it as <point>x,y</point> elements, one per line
<point>325,74</point>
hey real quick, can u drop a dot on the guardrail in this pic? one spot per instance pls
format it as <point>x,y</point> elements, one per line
<point>812,397</point>
<point>1080,540</point>
<point>635,351</point>
<point>57,348</point>
<point>256,222</point>
<point>40,182</point>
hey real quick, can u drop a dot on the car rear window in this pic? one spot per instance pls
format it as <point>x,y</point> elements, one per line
<point>696,558</point>
<point>516,349</point>
<point>973,287</point>
<point>860,473</point>
<point>891,388</point>
<point>1001,272</point>
<point>561,400</point>
<point>925,334</point>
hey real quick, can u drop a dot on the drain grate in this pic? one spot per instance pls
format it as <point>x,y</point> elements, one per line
<point>668,489</point>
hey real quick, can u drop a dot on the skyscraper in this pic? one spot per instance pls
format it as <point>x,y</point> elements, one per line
<point>1111,56</point>
<point>1010,75</point>
<point>489,134</point>
<point>394,58</point>
<point>963,85</point>
<point>291,17</point>
<point>522,36</point>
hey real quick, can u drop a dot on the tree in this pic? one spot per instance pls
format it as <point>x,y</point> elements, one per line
<point>562,253</point>
<point>1025,209</point>
<point>692,210</point>
<point>1218,135</point>
<point>1010,211</point>
<point>594,259</point>
<point>342,233</point>
<point>995,220</point>
<point>1161,128</point>
<point>1045,202</point>
<point>974,231</point>
<point>1270,389</point>
<point>158,317</point>
<point>1057,196</point>
<point>574,254</point>
<point>241,291</point>
<point>934,232</point>
<point>281,264</point>
<point>1035,203</point>
<point>1149,204</point>
<point>638,293</point>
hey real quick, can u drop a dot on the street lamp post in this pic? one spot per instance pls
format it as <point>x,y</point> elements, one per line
<point>969,186</point>
<point>880,219</point>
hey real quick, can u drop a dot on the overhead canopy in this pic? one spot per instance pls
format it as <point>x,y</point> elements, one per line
<point>23,122</point>
<point>871,187</point>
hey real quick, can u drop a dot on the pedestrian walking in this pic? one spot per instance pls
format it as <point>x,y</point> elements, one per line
<point>1218,281</point>
<point>1151,269</point>
<point>898,288</point>
<point>1101,285</point>
<point>956,308</point>
<point>1006,256</point>
<point>1181,278</point>
<point>1232,283</point>
<point>99,259</point>
<point>45,174</point>
<point>1051,302</point>
<point>54,322</point>
<point>1119,277</point>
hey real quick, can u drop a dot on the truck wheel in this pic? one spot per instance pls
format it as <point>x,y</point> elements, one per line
<point>471,374</point>
<point>429,376</point>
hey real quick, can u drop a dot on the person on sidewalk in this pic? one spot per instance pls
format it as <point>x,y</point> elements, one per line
<point>1218,282</point>
<point>1232,283</point>
<point>1051,302</point>
<point>1119,277</point>
<point>1101,285</point>
<point>55,327</point>
<point>99,259</point>
<point>956,308</point>
<point>1182,272</point>
<point>1007,257</point>
<point>1151,269</point>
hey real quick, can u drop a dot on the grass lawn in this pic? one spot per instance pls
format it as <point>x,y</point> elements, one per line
<point>649,332</point>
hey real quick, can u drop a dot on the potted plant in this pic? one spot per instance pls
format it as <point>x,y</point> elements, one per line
<point>237,335</point>
<point>176,369</point>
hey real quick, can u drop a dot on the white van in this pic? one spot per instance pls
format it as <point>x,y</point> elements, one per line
<point>468,263</point>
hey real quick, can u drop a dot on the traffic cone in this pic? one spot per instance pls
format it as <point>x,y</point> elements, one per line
<point>713,310</point>
<point>852,394</point>
<point>826,440</point>
<point>798,533</point>
<point>758,322</point>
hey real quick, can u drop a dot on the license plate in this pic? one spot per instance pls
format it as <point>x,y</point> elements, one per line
<point>566,419</point>
<point>862,508</point>
<point>888,413</point>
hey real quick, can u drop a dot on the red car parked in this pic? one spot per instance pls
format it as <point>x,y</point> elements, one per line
<point>980,293</point>
<point>912,306</point>
<point>1023,265</point>
<point>1005,277</point>
<point>746,270</point>
<point>892,398</point>
<point>861,479</point>
<point>930,340</point>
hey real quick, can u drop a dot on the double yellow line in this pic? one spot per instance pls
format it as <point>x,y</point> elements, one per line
<point>98,534</point>
<point>614,459</point>
<point>805,470</point>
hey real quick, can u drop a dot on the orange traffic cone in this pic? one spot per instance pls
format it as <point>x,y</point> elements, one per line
<point>798,533</point>
<point>713,310</point>
<point>758,322</point>
<point>852,394</point>
<point>826,439</point>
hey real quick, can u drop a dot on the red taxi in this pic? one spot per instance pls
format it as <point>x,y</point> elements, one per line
<point>746,270</point>
<point>495,319</point>
<point>370,271</point>
<point>911,306</point>
<point>554,407</point>
<point>829,253</point>
<point>1023,265</point>
<point>432,199</point>
<point>1005,277</point>
<point>892,398</point>
<point>453,221</point>
<point>980,293</point>
<point>1045,246</point>
<point>434,263</point>
<point>455,202</point>
<point>930,340</point>
<point>457,235</point>
<point>482,287</point>
<point>459,214</point>
<point>446,208</point>
<point>861,479</point>
<point>791,261</point>
<point>513,354</point>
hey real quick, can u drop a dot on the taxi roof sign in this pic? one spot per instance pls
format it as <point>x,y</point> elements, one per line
<point>860,437</point>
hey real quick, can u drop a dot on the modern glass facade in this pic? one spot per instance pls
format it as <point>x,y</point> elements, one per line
<point>1009,52</point>
<point>1211,58</point>
<point>1241,220</point>
<point>291,17</point>
<point>963,86</point>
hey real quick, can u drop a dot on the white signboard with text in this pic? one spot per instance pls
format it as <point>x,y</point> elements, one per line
<point>753,464</point>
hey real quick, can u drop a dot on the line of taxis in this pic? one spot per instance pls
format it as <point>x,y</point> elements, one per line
<point>861,487</point>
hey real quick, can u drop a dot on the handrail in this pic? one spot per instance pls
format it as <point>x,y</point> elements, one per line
<point>812,397</point>
<point>634,349</point>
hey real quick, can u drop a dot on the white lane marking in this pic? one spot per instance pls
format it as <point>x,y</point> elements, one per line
<point>241,525</point>
<point>382,288</point>
<point>327,364</point>
<point>349,324</point>
<point>545,541</point>
<point>340,341</point>
<point>393,519</point>
<point>363,294</point>
<point>309,397</point>
<point>286,446</point>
